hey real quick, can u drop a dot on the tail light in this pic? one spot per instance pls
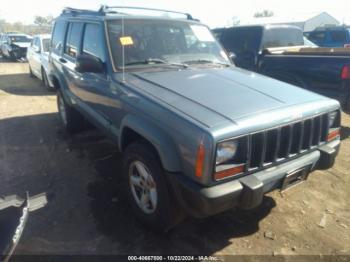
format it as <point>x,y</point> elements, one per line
<point>347,45</point>
<point>345,73</point>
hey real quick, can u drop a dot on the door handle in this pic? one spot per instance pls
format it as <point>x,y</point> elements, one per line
<point>62,60</point>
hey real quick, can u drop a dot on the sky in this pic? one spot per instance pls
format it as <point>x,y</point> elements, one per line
<point>213,13</point>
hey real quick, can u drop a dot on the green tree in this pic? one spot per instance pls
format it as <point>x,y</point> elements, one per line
<point>43,20</point>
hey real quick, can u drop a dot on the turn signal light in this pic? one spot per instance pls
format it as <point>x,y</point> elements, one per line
<point>333,134</point>
<point>200,160</point>
<point>229,172</point>
<point>345,73</point>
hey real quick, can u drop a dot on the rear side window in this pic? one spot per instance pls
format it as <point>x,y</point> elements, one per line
<point>281,37</point>
<point>92,43</point>
<point>58,36</point>
<point>338,36</point>
<point>317,36</point>
<point>73,39</point>
<point>242,40</point>
<point>37,42</point>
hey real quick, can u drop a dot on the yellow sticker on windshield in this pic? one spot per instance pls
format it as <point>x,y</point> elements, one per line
<point>126,40</point>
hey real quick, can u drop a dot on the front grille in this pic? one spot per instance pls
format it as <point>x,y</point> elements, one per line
<point>278,144</point>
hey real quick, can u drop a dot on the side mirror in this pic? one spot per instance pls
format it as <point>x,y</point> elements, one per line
<point>88,64</point>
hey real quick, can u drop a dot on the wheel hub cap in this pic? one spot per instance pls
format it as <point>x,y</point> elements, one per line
<point>143,187</point>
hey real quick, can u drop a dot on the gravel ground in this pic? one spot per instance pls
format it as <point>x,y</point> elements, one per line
<point>87,215</point>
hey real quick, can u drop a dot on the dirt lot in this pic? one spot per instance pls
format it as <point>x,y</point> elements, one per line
<point>86,216</point>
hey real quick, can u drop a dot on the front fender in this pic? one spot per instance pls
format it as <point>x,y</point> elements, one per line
<point>163,143</point>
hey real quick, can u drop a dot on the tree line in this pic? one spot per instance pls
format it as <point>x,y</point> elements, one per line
<point>40,25</point>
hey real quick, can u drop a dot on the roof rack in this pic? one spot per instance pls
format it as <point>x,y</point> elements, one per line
<point>109,9</point>
<point>69,10</point>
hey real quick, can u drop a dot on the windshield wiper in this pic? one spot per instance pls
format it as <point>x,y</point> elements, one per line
<point>205,61</point>
<point>150,61</point>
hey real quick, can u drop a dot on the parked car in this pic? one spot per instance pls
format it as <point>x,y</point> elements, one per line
<point>15,45</point>
<point>280,52</point>
<point>2,41</point>
<point>38,58</point>
<point>338,36</point>
<point>198,135</point>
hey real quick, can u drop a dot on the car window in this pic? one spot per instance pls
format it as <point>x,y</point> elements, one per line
<point>242,40</point>
<point>19,39</point>
<point>37,42</point>
<point>46,45</point>
<point>162,40</point>
<point>317,36</point>
<point>92,43</point>
<point>338,36</point>
<point>73,39</point>
<point>281,37</point>
<point>58,36</point>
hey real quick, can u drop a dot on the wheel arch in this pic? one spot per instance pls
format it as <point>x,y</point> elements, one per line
<point>134,128</point>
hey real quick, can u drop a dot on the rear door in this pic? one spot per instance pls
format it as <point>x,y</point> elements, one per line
<point>71,50</point>
<point>56,51</point>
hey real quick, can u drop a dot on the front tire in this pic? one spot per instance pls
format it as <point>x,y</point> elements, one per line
<point>71,119</point>
<point>147,190</point>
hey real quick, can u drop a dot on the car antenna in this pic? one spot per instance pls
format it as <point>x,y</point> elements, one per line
<point>104,9</point>
<point>123,52</point>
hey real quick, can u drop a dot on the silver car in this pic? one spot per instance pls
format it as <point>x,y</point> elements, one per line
<point>38,58</point>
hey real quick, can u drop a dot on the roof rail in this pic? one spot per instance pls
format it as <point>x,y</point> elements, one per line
<point>109,9</point>
<point>70,10</point>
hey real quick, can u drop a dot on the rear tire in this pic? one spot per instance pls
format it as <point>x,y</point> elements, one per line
<point>146,188</point>
<point>71,119</point>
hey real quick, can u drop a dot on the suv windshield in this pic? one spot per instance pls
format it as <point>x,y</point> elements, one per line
<point>19,38</point>
<point>163,42</point>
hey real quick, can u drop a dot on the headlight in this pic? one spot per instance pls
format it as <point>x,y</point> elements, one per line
<point>331,118</point>
<point>226,151</point>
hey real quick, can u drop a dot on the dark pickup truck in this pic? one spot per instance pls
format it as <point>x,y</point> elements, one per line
<point>279,51</point>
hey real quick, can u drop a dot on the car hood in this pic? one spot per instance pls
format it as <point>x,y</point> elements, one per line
<point>21,44</point>
<point>212,96</point>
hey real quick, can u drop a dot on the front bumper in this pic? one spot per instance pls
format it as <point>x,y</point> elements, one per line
<point>246,192</point>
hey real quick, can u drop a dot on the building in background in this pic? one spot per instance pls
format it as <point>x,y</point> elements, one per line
<point>306,22</point>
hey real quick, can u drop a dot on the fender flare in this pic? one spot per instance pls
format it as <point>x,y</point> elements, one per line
<point>162,142</point>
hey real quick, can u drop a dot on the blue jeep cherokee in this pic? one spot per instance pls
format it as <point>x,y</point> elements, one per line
<point>198,135</point>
